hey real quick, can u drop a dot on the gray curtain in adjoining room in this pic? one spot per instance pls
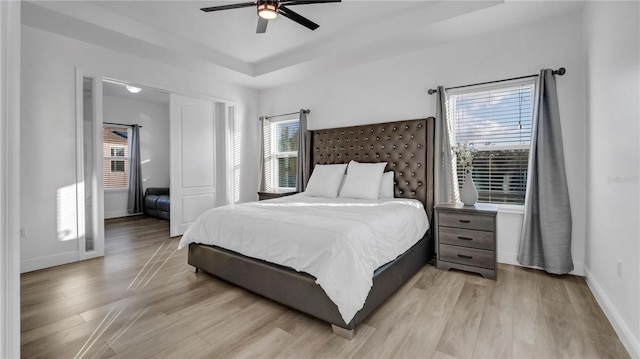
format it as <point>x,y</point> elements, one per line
<point>546,232</point>
<point>302,153</point>
<point>262,185</point>
<point>136,198</point>
<point>445,171</point>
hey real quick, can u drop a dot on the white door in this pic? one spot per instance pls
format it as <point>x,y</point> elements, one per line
<point>192,161</point>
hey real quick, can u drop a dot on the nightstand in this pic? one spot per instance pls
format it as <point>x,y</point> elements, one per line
<point>263,195</point>
<point>466,238</point>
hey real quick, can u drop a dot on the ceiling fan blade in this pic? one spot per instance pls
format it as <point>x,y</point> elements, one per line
<point>288,13</point>
<point>262,25</point>
<point>228,7</point>
<point>306,2</point>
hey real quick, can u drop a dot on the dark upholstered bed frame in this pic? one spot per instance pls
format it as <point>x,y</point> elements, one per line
<point>407,147</point>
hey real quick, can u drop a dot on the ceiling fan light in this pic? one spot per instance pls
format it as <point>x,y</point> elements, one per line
<point>267,11</point>
<point>133,89</point>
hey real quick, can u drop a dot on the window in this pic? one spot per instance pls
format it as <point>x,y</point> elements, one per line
<point>115,150</point>
<point>117,166</point>
<point>281,142</point>
<point>496,120</point>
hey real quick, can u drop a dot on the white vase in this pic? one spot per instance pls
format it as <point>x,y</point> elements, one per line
<point>469,193</point>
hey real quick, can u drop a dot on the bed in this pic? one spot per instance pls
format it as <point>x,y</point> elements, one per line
<point>407,147</point>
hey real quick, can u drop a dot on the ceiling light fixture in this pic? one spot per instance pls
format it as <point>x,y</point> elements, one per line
<point>133,89</point>
<point>267,9</point>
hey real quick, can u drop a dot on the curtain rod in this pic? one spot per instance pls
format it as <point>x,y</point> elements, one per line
<point>561,71</point>
<point>287,114</point>
<point>119,124</point>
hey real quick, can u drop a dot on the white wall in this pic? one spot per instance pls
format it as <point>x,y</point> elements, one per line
<point>154,146</point>
<point>395,89</point>
<point>48,127</point>
<point>613,218</point>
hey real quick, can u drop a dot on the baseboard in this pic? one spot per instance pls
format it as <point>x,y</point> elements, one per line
<point>631,343</point>
<point>512,258</point>
<point>29,265</point>
<point>119,214</point>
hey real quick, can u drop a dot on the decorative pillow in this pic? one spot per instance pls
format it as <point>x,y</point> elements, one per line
<point>386,186</point>
<point>325,180</point>
<point>363,180</point>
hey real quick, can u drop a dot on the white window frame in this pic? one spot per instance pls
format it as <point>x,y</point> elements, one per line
<point>113,157</point>
<point>529,82</point>
<point>275,155</point>
<point>112,147</point>
<point>118,158</point>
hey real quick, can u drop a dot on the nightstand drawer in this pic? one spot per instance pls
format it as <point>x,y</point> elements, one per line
<point>466,237</point>
<point>468,221</point>
<point>468,256</point>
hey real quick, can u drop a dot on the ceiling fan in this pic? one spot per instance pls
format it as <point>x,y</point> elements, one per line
<point>269,10</point>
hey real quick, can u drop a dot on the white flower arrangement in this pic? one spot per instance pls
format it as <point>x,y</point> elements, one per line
<point>465,154</point>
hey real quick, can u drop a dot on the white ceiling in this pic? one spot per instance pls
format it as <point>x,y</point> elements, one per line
<point>117,89</point>
<point>351,32</point>
<point>233,32</point>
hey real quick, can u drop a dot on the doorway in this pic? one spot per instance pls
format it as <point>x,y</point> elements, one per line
<point>125,106</point>
<point>186,143</point>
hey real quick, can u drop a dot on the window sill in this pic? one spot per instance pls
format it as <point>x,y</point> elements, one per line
<point>281,189</point>
<point>509,208</point>
<point>109,190</point>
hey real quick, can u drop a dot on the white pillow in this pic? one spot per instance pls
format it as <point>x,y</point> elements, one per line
<point>386,186</point>
<point>344,177</point>
<point>325,180</point>
<point>363,180</point>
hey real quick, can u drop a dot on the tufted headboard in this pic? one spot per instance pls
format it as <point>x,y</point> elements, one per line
<point>406,146</point>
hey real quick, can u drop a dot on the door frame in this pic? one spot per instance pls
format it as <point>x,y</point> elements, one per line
<point>97,213</point>
<point>10,179</point>
<point>224,123</point>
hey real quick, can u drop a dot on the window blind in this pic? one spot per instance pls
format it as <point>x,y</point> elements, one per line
<point>285,153</point>
<point>281,153</point>
<point>287,136</point>
<point>500,176</point>
<point>494,116</point>
<point>497,121</point>
<point>287,168</point>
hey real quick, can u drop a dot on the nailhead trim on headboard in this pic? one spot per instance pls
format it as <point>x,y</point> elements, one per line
<point>406,146</point>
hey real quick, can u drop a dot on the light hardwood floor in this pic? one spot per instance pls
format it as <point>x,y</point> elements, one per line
<point>140,301</point>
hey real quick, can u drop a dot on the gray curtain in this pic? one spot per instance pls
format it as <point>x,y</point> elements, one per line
<point>445,171</point>
<point>262,185</point>
<point>136,197</point>
<point>302,153</point>
<point>546,232</point>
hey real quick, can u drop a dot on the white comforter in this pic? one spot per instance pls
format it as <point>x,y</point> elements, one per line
<point>339,241</point>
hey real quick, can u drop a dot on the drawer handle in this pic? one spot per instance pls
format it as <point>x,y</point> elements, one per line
<point>465,238</point>
<point>464,221</point>
<point>465,257</point>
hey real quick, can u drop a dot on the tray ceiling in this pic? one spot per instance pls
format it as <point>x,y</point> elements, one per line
<point>351,32</point>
